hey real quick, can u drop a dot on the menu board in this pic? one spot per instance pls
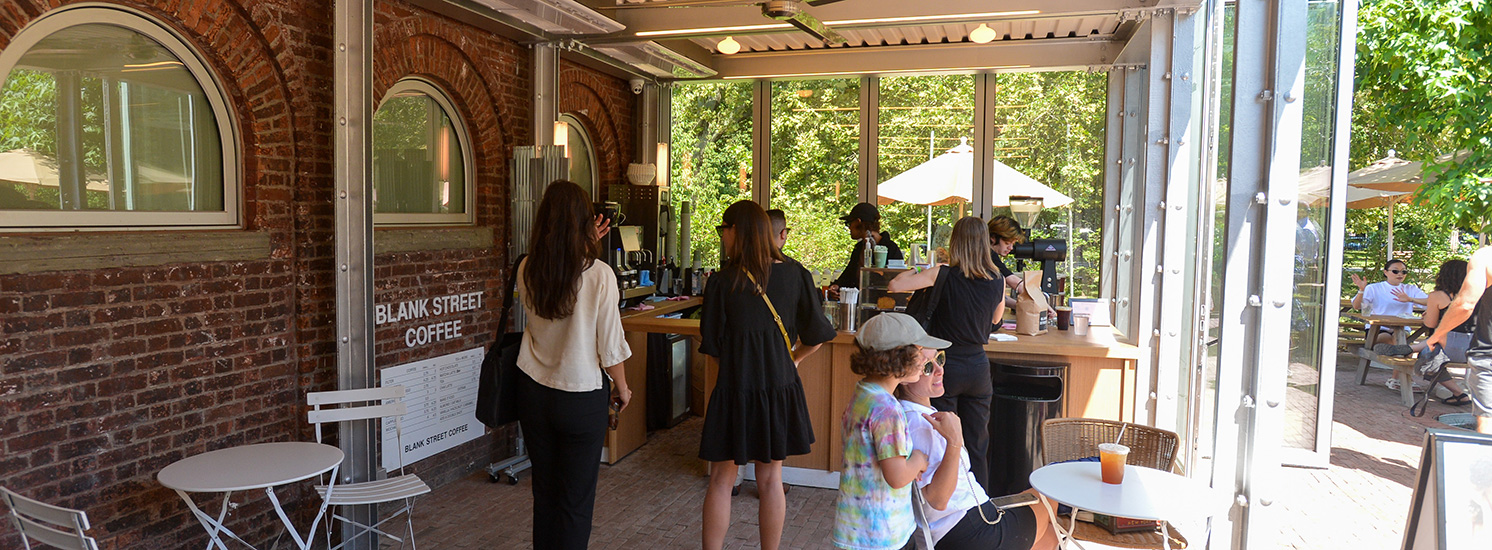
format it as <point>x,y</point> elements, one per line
<point>1452,505</point>
<point>440,394</point>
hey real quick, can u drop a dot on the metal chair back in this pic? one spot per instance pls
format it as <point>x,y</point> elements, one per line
<point>50,525</point>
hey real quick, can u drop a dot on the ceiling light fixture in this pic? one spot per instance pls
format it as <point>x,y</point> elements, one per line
<point>983,34</point>
<point>729,46</point>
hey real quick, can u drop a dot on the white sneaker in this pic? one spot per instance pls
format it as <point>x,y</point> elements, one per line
<point>1393,384</point>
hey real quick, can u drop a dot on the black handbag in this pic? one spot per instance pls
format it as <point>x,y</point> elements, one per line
<point>924,302</point>
<point>1431,366</point>
<point>497,387</point>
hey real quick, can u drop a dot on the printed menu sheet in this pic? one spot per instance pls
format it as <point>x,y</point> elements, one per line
<point>441,396</point>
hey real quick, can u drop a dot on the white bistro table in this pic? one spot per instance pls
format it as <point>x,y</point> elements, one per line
<point>258,466</point>
<point>1146,493</point>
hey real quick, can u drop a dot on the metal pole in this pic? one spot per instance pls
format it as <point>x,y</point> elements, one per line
<point>353,95</point>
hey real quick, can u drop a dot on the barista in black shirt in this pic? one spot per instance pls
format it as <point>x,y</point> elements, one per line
<point>1004,234</point>
<point>862,221</point>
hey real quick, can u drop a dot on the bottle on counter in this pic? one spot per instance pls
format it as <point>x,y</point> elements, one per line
<point>664,277</point>
<point>696,280</point>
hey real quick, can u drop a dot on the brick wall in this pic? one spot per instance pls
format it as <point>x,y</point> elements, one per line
<point>108,375</point>
<point>604,105</point>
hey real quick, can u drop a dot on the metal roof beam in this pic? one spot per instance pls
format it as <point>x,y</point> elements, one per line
<point>711,21</point>
<point>1014,55</point>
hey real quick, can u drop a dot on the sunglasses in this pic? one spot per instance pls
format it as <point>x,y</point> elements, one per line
<point>722,228</point>
<point>1397,271</point>
<point>937,361</point>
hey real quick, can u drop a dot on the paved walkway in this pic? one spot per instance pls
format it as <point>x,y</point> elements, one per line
<point>652,499</point>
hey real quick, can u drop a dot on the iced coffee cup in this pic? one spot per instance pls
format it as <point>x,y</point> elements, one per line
<point>1112,457</point>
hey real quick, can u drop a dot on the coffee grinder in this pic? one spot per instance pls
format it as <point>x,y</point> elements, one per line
<point>1047,251</point>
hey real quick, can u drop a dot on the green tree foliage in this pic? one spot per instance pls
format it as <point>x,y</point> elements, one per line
<point>1424,70</point>
<point>711,156</point>
<point>1051,128</point>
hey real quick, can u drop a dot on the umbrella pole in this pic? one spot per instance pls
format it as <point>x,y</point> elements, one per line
<point>929,230</point>
<point>1390,231</point>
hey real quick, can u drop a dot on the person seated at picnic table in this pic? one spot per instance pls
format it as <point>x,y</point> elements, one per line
<point>1387,298</point>
<point>1447,283</point>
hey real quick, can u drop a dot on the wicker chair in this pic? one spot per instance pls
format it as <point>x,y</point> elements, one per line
<point>1073,438</point>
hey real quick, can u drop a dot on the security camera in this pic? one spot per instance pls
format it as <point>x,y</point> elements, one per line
<point>637,85</point>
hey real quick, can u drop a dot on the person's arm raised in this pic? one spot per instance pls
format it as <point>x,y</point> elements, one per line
<point>908,281</point>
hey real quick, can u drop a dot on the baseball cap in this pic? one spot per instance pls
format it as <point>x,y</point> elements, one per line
<point>864,212</point>
<point>893,330</point>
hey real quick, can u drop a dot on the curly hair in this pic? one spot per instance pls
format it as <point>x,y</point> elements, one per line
<point>894,362</point>
<point>1452,274</point>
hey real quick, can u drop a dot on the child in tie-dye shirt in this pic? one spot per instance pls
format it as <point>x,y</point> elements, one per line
<point>874,510</point>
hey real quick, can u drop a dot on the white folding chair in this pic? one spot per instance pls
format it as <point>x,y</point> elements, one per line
<point>402,487</point>
<point>50,525</point>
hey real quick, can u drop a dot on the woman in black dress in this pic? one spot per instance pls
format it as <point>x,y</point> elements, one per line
<point>968,306</point>
<point>757,412</point>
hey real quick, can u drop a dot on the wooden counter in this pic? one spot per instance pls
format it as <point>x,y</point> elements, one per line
<point>1099,383</point>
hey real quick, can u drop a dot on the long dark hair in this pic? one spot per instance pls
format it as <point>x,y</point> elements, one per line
<point>1452,274</point>
<point>562,246</point>
<point>751,251</point>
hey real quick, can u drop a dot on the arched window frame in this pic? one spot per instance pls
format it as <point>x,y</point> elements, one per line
<point>463,140</point>
<point>114,220</point>
<point>590,147</point>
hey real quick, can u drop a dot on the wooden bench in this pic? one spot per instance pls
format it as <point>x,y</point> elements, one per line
<point>1402,367</point>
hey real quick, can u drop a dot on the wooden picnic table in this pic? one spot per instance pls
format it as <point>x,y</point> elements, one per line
<point>1397,365</point>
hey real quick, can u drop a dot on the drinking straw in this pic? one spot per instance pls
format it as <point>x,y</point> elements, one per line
<point>1122,426</point>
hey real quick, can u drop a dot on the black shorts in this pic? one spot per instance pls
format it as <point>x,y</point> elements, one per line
<point>1015,531</point>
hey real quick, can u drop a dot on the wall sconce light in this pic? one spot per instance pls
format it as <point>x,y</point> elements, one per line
<point>663,166</point>
<point>729,46</point>
<point>562,136</point>
<point>983,34</point>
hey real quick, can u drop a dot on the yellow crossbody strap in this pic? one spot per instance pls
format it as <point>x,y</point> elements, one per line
<point>775,317</point>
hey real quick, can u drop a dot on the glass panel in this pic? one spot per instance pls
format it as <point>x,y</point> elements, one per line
<point>417,162</point>
<point>1312,239</point>
<point>1206,393</point>
<point>100,117</point>
<point>1049,128</point>
<point>815,167</point>
<point>926,122</point>
<point>711,157</point>
<point>582,156</point>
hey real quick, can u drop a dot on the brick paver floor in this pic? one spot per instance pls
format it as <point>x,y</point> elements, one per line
<point>652,499</point>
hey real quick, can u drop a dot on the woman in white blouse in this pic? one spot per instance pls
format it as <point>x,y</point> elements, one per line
<point>958,512</point>
<point>574,333</point>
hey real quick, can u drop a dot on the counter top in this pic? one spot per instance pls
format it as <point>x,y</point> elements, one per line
<point>1054,342</point>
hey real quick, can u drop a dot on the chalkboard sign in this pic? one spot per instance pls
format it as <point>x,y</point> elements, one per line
<point>1452,505</point>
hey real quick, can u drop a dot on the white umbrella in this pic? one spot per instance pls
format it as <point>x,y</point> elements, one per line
<point>949,178</point>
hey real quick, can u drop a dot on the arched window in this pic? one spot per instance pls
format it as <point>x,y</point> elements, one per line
<point>421,158</point>
<point>582,156</point>
<point>109,120</point>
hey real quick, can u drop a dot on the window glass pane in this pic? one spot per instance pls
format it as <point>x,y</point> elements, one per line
<point>1312,239</point>
<point>417,162</point>
<point>100,117</point>
<point>711,157</point>
<point>926,123</point>
<point>582,156</point>
<point>815,167</point>
<point>1049,127</point>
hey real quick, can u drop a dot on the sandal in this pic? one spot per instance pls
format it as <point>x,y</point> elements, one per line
<point>1458,399</point>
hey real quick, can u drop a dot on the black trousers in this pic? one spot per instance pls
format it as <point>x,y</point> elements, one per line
<point>967,391</point>
<point>564,432</point>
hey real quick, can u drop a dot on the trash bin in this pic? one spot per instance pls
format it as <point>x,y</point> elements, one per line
<point>1026,393</point>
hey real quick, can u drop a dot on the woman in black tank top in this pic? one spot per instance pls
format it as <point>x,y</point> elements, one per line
<point>971,300</point>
